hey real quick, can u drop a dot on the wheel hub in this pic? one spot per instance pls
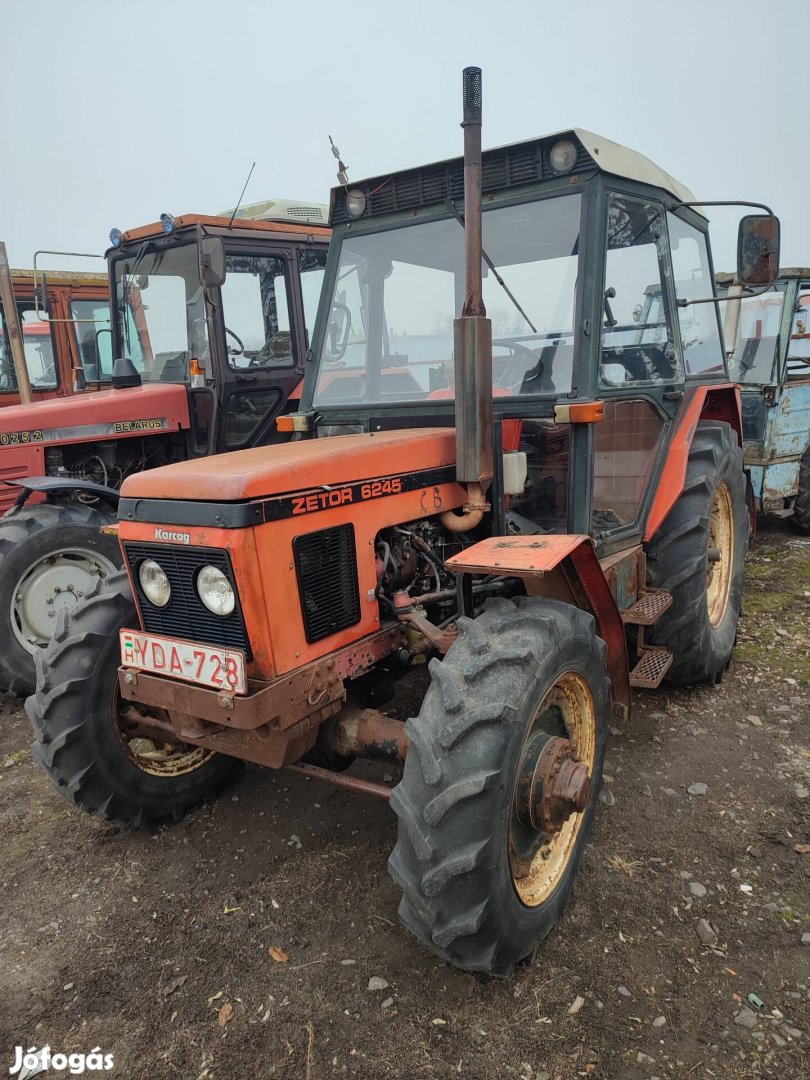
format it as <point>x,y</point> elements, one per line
<point>52,583</point>
<point>552,785</point>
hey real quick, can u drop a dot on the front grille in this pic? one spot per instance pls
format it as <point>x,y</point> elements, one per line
<point>326,567</point>
<point>186,616</point>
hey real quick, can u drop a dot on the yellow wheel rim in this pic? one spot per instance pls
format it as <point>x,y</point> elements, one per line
<point>720,555</point>
<point>566,711</point>
<point>148,753</point>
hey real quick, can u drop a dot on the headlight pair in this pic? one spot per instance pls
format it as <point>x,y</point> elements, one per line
<point>213,587</point>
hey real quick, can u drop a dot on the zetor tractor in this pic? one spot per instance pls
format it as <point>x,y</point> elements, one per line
<point>541,506</point>
<point>767,336</point>
<point>210,321</point>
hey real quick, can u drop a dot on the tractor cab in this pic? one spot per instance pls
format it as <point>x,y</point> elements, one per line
<point>590,252</point>
<point>220,307</point>
<point>767,338</point>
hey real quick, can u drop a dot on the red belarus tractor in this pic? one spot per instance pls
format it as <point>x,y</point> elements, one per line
<point>573,524</point>
<point>210,323</point>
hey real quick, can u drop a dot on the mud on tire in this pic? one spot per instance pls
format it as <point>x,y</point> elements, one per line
<point>28,537</point>
<point>678,559</point>
<point>455,798</point>
<point>73,713</point>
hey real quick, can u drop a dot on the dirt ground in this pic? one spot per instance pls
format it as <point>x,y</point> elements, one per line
<point>144,944</point>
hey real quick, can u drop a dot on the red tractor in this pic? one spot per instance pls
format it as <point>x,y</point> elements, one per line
<point>210,331</point>
<point>54,329</point>
<point>546,504</point>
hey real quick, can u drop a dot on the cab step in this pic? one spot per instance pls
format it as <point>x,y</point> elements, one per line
<point>649,607</point>
<point>652,666</point>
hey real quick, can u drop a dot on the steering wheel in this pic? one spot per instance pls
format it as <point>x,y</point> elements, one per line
<point>231,350</point>
<point>519,354</point>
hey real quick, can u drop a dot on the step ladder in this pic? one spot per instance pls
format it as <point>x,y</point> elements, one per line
<point>653,660</point>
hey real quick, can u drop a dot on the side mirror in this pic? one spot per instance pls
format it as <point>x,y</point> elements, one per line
<point>337,332</point>
<point>758,249</point>
<point>212,261</point>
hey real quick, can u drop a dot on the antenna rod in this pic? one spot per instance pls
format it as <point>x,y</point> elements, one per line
<point>244,189</point>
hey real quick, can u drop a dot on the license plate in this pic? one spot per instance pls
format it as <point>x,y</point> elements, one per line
<point>222,669</point>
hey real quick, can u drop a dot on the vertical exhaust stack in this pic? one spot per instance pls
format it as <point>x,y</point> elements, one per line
<point>472,333</point>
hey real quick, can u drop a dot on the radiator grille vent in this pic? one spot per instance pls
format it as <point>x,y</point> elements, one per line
<point>502,169</point>
<point>186,616</point>
<point>326,566</point>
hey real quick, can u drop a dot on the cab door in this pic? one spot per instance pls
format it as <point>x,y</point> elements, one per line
<point>263,336</point>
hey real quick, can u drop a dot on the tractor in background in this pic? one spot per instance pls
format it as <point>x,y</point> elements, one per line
<point>209,333</point>
<point>493,474</point>
<point>58,330</point>
<point>767,336</point>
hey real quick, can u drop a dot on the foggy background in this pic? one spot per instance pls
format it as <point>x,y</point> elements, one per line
<point>111,113</point>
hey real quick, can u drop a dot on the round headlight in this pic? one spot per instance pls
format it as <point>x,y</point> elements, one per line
<point>563,156</point>
<point>216,591</point>
<point>116,237</point>
<point>355,202</point>
<point>154,583</point>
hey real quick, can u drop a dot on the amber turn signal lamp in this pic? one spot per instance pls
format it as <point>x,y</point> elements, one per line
<point>579,412</point>
<point>293,422</point>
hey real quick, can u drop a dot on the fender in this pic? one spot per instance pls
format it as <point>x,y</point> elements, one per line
<point>716,402</point>
<point>46,485</point>
<point>572,571</point>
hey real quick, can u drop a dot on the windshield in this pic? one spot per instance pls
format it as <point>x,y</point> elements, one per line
<point>390,331</point>
<point>754,354</point>
<point>94,338</point>
<point>38,349</point>
<point>160,311</point>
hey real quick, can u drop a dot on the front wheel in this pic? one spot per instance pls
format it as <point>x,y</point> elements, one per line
<point>50,557</point>
<point>499,788</point>
<point>94,745</point>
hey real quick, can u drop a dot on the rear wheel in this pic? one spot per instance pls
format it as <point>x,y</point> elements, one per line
<point>499,788</point>
<point>801,504</point>
<point>50,557</point>
<point>698,555</point>
<point>93,744</point>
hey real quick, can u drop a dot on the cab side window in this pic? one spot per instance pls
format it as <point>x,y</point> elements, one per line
<point>699,323</point>
<point>637,340</point>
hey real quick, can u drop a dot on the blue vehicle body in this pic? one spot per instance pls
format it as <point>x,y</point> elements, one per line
<point>768,342</point>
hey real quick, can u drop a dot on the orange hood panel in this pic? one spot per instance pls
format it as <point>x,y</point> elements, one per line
<point>296,466</point>
<point>77,417</point>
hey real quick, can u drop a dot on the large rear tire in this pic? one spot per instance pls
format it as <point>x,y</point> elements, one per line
<point>698,555</point>
<point>81,723</point>
<point>481,886</point>
<point>801,504</point>
<point>50,556</point>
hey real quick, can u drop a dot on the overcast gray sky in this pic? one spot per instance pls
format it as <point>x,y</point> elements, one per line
<point>112,111</point>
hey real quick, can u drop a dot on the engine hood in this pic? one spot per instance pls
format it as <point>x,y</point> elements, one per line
<point>138,410</point>
<point>296,466</point>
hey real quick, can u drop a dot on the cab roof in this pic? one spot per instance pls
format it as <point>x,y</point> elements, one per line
<point>217,221</point>
<point>506,167</point>
<point>60,277</point>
